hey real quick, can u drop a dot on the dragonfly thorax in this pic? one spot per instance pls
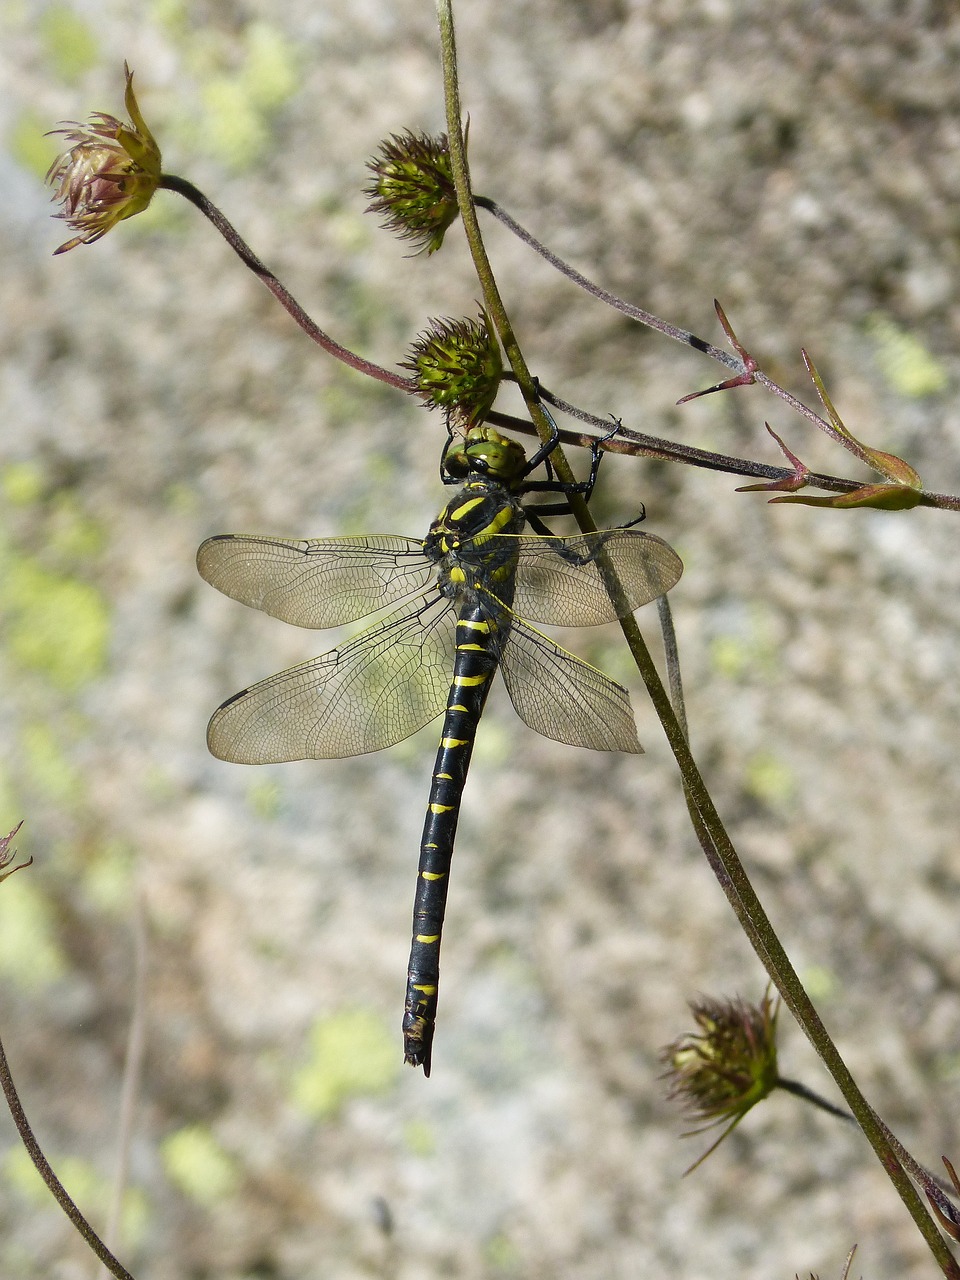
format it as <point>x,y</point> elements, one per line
<point>465,543</point>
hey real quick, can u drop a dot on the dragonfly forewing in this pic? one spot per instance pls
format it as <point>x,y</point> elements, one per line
<point>318,582</point>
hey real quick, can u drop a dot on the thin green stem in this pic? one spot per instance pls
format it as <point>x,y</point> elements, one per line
<point>170,182</point>
<point>468,215</point>
<point>808,1095</point>
<point>763,937</point>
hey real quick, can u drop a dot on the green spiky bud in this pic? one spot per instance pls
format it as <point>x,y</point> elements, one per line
<point>457,366</point>
<point>413,188</point>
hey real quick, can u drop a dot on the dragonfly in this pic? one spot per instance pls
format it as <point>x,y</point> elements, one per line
<point>470,592</point>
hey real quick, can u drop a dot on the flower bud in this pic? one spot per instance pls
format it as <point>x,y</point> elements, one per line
<point>413,188</point>
<point>457,366</point>
<point>723,1070</point>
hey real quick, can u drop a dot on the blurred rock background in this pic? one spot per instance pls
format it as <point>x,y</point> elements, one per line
<point>802,163</point>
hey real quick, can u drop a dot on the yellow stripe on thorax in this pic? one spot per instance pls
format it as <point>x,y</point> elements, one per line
<point>458,513</point>
<point>502,518</point>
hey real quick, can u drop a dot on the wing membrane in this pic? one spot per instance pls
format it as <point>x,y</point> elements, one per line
<point>564,698</point>
<point>560,582</point>
<point>318,582</point>
<point>373,691</point>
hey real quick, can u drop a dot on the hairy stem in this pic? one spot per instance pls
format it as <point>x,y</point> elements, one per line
<point>170,182</point>
<point>682,453</point>
<point>468,215</point>
<point>55,1186</point>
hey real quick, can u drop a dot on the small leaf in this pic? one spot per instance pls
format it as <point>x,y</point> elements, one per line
<point>750,365</point>
<point>886,464</point>
<point>741,380</point>
<point>894,468</point>
<point>886,497</point>
<point>734,341</point>
<point>825,399</point>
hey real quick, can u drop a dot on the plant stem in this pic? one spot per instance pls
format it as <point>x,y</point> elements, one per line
<point>801,1091</point>
<point>733,879</point>
<point>55,1186</point>
<point>611,299</point>
<point>683,453</point>
<point>468,215</point>
<point>170,182</point>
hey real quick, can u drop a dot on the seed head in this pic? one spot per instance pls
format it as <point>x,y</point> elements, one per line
<point>722,1071</point>
<point>109,172</point>
<point>413,188</point>
<point>457,366</point>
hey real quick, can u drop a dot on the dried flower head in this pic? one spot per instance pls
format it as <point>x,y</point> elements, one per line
<point>109,173</point>
<point>457,366</point>
<point>413,188</point>
<point>723,1070</point>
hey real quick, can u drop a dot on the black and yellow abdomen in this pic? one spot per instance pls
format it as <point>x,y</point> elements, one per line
<point>477,571</point>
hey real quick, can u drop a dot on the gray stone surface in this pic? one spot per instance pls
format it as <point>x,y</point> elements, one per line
<point>799,161</point>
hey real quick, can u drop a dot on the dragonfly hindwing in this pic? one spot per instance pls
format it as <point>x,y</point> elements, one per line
<point>562,697</point>
<point>367,694</point>
<point>560,581</point>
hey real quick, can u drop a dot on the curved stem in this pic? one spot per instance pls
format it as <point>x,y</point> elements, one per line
<point>733,879</point>
<point>45,1170</point>
<point>651,445</point>
<point>611,299</point>
<point>808,1095</point>
<point>170,182</point>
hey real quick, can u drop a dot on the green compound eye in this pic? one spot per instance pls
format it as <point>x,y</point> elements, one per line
<point>485,450</point>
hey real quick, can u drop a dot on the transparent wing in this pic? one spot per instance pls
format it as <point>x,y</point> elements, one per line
<point>564,698</point>
<point>368,693</point>
<point>319,582</point>
<point>559,580</point>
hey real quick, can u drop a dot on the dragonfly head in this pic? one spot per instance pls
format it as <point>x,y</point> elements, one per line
<point>484,451</point>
